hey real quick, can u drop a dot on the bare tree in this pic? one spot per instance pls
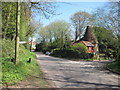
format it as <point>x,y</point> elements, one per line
<point>108,17</point>
<point>80,20</point>
<point>45,8</point>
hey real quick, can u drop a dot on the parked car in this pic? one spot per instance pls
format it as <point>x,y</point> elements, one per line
<point>47,53</point>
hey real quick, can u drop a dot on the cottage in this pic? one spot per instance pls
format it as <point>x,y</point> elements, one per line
<point>89,40</point>
<point>33,44</point>
<point>89,45</point>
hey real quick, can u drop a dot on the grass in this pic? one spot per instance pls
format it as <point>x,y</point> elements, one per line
<point>12,73</point>
<point>115,66</point>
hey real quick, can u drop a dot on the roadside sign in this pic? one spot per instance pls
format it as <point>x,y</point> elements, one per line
<point>22,42</point>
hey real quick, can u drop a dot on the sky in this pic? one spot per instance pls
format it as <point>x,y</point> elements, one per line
<point>60,0</point>
<point>69,8</point>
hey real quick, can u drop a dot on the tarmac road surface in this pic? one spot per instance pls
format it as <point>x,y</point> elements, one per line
<point>62,73</point>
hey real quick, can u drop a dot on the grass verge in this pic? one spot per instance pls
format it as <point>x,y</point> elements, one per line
<point>114,66</point>
<point>12,73</point>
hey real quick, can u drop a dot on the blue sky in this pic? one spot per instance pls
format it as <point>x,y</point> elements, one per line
<point>69,8</point>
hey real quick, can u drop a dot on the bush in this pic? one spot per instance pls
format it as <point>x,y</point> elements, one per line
<point>91,55</point>
<point>65,53</point>
<point>56,52</point>
<point>39,47</point>
<point>46,49</point>
<point>78,51</point>
<point>69,53</point>
<point>79,47</point>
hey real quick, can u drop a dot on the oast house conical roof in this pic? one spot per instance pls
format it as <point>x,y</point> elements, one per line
<point>89,35</point>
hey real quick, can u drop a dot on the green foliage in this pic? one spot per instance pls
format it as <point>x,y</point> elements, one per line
<point>8,49</point>
<point>44,50</point>
<point>56,33</point>
<point>9,21</point>
<point>115,66</point>
<point>27,46</point>
<point>23,27</point>
<point>79,47</point>
<point>43,47</point>
<point>74,52</point>
<point>106,41</point>
<point>39,47</point>
<point>65,53</point>
<point>82,49</point>
<point>12,73</point>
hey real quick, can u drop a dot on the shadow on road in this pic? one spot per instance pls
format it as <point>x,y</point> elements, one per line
<point>81,82</point>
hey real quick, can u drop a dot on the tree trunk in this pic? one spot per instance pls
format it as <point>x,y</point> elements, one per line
<point>17,33</point>
<point>76,34</point>
<point>97,50</point>
<point>62,39</point>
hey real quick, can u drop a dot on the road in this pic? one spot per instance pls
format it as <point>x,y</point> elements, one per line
<point>64,73</point>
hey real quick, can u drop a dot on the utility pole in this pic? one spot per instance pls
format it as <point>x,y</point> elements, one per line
<point>17,32</point>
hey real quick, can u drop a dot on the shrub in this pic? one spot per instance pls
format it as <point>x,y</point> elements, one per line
<point>91,55</point>
<point>84,55</point>
<point>39,47</point>
<point>79,47</point>
<point>69,53</point>
<point>65,53</point>
<point>77,51</point>
<point>46,49</point>
<point>56,52</point>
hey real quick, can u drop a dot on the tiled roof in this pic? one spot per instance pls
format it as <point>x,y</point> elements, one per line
<point>32,42</point>
<point>87,43</point>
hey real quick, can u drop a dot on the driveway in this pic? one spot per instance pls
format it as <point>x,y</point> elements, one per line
<point>64,73</point>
